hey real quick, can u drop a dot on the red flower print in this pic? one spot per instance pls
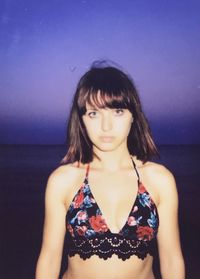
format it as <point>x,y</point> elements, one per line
<point>142,188</point>
<point>81,230</point>
<point>78,200</point>
<point>132,221</point>
<point>144,233</point>
<point>98,223</point>
<point>70,229</point>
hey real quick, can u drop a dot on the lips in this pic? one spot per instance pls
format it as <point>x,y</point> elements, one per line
<point>106,139</point>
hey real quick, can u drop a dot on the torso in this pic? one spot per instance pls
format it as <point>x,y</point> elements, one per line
<point>115,207</point>
<point>112,268</point>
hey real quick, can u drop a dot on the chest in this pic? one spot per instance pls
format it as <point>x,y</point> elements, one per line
<point>114,194</point>
<point>111,199</point>
<point>113,214</point>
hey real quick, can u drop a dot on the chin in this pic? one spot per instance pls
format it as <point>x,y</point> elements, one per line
<point>108,147</point>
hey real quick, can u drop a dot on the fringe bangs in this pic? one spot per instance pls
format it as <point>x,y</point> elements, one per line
<point>101,99</point>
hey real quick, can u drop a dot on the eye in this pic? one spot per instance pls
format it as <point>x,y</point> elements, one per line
<point>119,112</point>
<point>92,114</point>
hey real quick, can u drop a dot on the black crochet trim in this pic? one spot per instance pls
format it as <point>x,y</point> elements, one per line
<point>107,246</point>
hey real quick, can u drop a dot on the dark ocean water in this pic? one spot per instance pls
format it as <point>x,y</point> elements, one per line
<point>23,175</point>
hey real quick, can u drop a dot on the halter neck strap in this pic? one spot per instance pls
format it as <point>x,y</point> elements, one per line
<point>135,168</point>
<point>87,171</point>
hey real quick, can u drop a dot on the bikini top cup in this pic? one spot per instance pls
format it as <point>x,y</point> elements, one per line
<point>88,234</point>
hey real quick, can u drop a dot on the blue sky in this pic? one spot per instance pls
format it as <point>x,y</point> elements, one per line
<point>45,47</point>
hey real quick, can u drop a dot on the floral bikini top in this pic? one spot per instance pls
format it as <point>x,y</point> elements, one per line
<point>88,234</point>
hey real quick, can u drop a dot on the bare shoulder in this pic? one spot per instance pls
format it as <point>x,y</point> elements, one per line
<point>63,174</point>
<point>160,179</point>
<point>62,180</point>
<point>158,172</point>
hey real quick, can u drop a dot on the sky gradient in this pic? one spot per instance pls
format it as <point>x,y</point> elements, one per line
<point>45,47</point>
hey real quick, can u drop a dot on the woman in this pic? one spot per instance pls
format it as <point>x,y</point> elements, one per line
<point>109,200</point>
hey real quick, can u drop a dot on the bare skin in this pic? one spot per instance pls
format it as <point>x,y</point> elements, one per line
<point>154,178</point>
<point>113,183</point>
<point>110,269</point>
<point>115,211</point>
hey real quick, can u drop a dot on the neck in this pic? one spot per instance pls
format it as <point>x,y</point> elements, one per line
<point>112,160</point>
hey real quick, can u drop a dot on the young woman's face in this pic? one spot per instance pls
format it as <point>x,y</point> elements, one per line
<point>107,128</point>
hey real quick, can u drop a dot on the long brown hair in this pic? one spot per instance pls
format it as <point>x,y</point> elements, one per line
<point>116,90</point>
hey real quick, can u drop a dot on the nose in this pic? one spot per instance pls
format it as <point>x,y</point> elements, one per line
<point>106,123</point>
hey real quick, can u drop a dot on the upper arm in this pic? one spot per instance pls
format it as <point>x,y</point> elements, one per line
<point>59,186</point>
<point>168,233</point>
<point>168,214</point>
<point>54,223</point>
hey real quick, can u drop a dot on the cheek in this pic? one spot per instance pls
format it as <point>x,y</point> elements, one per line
<point>89,128</point>
<point>89,132</point>
<point>125,126</point>
<point>128,128</point>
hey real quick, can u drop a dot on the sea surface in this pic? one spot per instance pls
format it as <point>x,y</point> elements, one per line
<point>24,170</point>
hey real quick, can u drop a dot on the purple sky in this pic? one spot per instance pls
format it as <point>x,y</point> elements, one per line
<point>45,47</point>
